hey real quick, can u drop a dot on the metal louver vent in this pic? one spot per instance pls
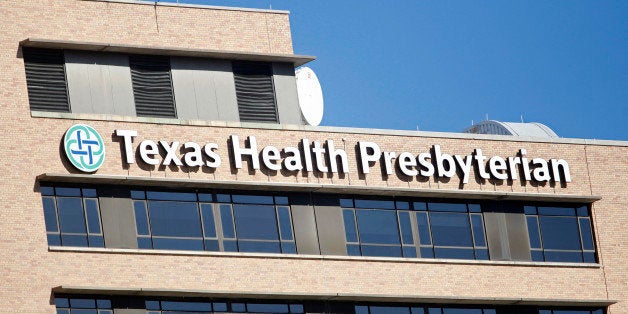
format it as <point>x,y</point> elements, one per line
<point>255,91</point>
<point>152,86</point>
<point>45,79</point>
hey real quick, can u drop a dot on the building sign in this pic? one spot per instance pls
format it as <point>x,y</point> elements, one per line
<point>325,157</point>
<point>84,147</point>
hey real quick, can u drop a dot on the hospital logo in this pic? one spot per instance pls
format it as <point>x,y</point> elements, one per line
<point>84,147</point>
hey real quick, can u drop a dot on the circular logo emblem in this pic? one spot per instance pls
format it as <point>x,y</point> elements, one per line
<point>84,147</point>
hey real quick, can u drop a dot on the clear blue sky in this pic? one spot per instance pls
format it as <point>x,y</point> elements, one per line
<point>437,65</point>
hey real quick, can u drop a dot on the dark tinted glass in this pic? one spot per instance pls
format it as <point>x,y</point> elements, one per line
<point>171,196</point>
<point>427,252</point>
<point>50,215</point>
<point>267,308</point>
<point>71,216</point>
<point>219,307</point>
<point>47,190</point>
<point>96,241</point>
<point>141,220</point>
<point>350,229</point>
<point>93,219</point>
<point>223,198</point>
<point>68,191</point>
<point>204,197</point>
<point>138,195</point>
<point>212,245</point>
<point>447,207</point>
<point>83,303</point>
<point>533,232</point>
<point>89,192</point>
<point>582,211</point>
<point>449,229</point>
<point>424,229</point>
<point>562,256</point>
<point>296,308</point>
<point>478,230</point>
<point>259,246</point>
<point>475,208</point>
<point>346,202</point>
<point>381,250</point>
<point>402,205</point>
<point>585,230</point>
<point>177,244</point>
<point>186,306</point>
<point>461,311</point>
<point>54,239</point>
<point>175,219</point>
<point>453,253</point>
<point>406,228</point>
<point>560,233</point>
<point>353,250</point>
<point>557,211</point>
<point>529,210</point>
<point>253,199</point>
<point>228,230</point>
<point>389,310</point>
<point>208,220</point>
<point>537,256</point>
<point>374,204</point>
<point>378,226</point>
<point>409,251</point>
<point>288,247</point>
<point>285,223</point>
<point>281,200</point>
<point>255,222</point>
<point>481,254</point>
<point>230,245</point>
<point>419,206</point>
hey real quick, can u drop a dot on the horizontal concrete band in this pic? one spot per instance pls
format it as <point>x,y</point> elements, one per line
<point>318,188</point>
<point>297,60</point>
<point>325,129</point>
<point>330,296</point>
<point>193,6</point>
<point>357,259</point>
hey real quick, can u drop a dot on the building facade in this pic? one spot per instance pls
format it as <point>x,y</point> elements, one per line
<point>155,160</point>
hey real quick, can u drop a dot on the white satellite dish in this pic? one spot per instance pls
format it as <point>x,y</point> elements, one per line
<point>310,96</point>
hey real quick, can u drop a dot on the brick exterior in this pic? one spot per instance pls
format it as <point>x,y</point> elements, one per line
<point>31,146</point>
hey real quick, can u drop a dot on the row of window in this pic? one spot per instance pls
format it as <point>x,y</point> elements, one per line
<point>152,85</point>
<point>211,221</point>
<point>104,305</point>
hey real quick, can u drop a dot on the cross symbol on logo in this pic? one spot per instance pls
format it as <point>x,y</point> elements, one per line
<point>84,147</point>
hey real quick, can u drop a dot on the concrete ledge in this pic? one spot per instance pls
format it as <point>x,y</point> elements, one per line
<point>361,259</point>
<point>193,6</point>
<point>326,129</point>
<point>297,60</point>
<point>458,300</point>
<point>311,187</point>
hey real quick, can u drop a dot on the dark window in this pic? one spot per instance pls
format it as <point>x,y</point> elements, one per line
<point>255,91</point>
<point>152,86</point>
<point>201,306</point>
<point>446,230</point>
<point>83,305</point>
<point>45,79</point>
<point>72,217</point>
<point>560,234</point>
<point>193,221</point>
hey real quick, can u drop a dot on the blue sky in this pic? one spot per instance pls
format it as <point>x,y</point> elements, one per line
<point>439,65</point>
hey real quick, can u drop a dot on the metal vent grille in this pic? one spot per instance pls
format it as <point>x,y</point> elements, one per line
<point>152,86</point>
<point>255,91</point>
<point>45,79</point>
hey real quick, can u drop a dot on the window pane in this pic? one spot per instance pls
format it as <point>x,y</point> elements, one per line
<point>560,256</point>
<point>389,310</point>
<point>353,250</point>
<point>417,310</point>
<point>350,230</point>
<point>219,306</point>
<point>585,230</point>
<point>374,204</point>
<point>475,208</point>
<point>141,220</point>
<point>180,219</point>
<point>419,206</point>
<point>537,256</point>
<point>447,207</point>
<point>409,251</point>
<point>96,241</point>
<point>204,197</point>
<point>138,195</point>
<point>427,252</point>
<point>47,190</point>
<point>560,233</point>
<point>380,250</point>
<point>50,214</point>
<point>208,220</point>
<point>481,254</point>
<point>406,228</point>
<point>529,210</point>
<point>211,245</point>
<point>267,308</point>
<point>378,226</point>
<point>144,243</point>
<point>83,303</point>
<point>533,232</point>
<point>461,311</point>
<point>185,306</point>
<point>256,222</point>
<point>71,216</point>
<point>285,223</point>
<point>454,253</point>
<point>450,229</point>
<point>557,211</point>
<point>582,211</point>
<point>228,230</point>
<point>230,245</point>
<point>93,219</point>
<point>54,239</point>
<point>238,307</point>
<point>281,200</point>
<point>171,196</point>
<point>346,202</point>
<point>177,244</point>
<point>589,257</point>
<point>253,199</point>
<point>259,246</point>
<point>402,205</point>
<point>288,247</point>
<point>296,308</point>
<point>68,191</point>
<point>89,193</point>
<point>424,229</point>
<point>223,198</point>
<point>478,230</point>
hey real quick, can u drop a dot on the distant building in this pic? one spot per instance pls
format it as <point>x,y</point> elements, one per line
<point>531,129</point>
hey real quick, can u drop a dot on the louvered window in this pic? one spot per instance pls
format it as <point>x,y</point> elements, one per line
<point>152,86</point>
<point>255,91</point>
<point>45,79</point>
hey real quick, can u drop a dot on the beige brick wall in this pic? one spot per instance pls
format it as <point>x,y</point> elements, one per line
<point>31,146</point>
